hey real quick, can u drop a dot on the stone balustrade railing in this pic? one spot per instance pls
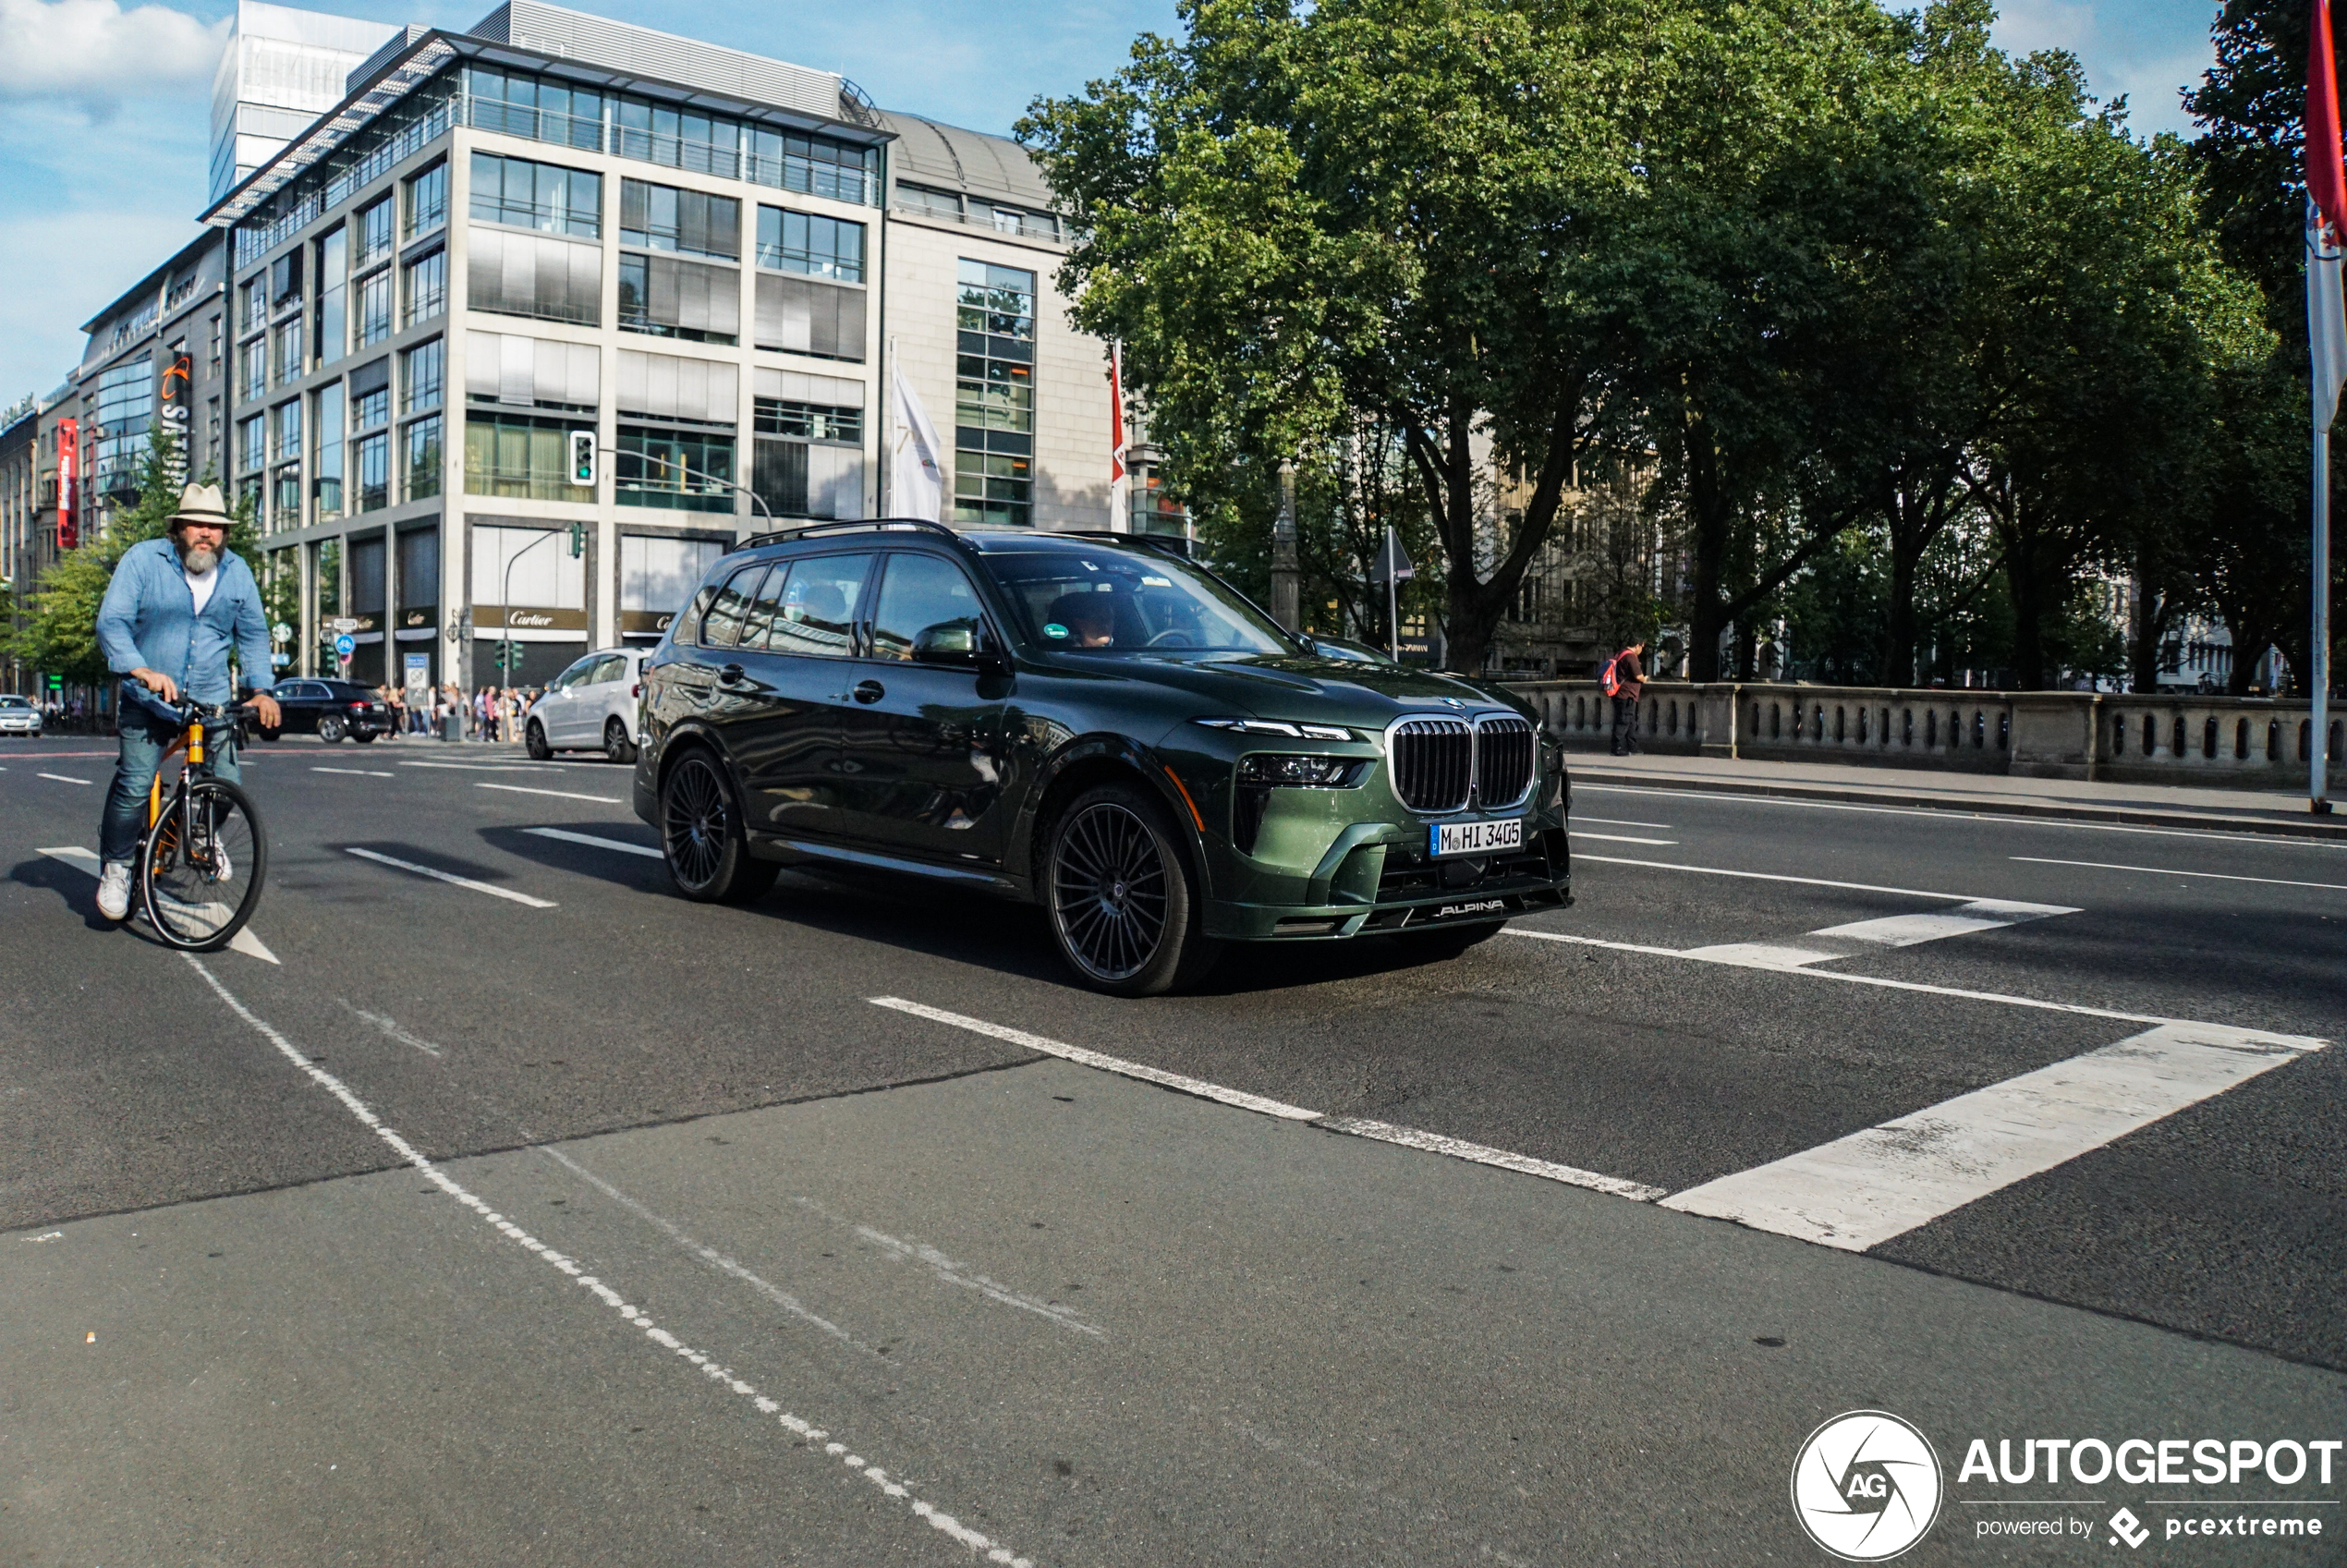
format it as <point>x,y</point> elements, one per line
<point>2220,741</point>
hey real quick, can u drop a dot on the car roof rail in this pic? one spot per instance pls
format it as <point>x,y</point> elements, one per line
<point>870,525</point>
<point>1150,541</point>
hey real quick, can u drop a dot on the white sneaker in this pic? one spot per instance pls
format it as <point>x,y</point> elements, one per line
<point>114,890</point>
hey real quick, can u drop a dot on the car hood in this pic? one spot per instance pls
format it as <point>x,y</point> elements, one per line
<point>1307,689</point>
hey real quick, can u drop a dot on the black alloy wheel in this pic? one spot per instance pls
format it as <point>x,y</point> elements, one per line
<point>700,835</point>
<point>1123,904</point>
<point>331,728</point>
<point>534,738</point>
<point>616,746</point>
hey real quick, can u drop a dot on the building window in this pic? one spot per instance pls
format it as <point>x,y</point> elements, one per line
<point>689,472</point>
<point>688,300</point>
<point>125,411</point>
<point>288,341</point>
<point>679,137</point>
<point>252,443</point>
<point>217,342</point>
<point>425,287</point>
<point>285,499</point>
<point>799,315</point>
<point>805,242</point>
<point>537,107</point>
<point>252,370</point>
<point>994,396</point>
<point>286,418</point>
<point>373,227</point>
<point>371,467</point>
<point>515,456</point>
<point>284,280</point>
<point>427,201</point>
<point>814,164</point>
<point>661,217</point>
<point>325,483</point>
<point>334,265</point>
<point>546,197</point>
<point>420,371</point>
<point>419,457</point>
<point>928,203</point>
<point>530,275</point>
<point>252,302</point>
<point>810,422</point>
<point>370,408</point>
<point>527,373</point>
<point>374,307</point>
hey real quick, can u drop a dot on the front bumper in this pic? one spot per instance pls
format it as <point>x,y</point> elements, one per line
<point>1378,880</point>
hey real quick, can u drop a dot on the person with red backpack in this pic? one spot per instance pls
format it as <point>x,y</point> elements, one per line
<point>1624,681</point>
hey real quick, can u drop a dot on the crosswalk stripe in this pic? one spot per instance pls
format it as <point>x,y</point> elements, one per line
<point>1980,914</point>
<point>1860,1191</point>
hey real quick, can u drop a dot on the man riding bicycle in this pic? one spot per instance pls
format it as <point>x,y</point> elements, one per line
<point>176,604</point>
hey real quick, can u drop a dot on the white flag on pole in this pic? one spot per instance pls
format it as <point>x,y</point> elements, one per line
<point>916,472</point>
<point>2326,317</point>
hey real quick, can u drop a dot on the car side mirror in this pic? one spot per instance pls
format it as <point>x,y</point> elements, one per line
<point>961,644</point>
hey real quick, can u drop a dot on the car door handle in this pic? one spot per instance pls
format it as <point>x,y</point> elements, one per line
<point>870,691</point>
<point>730,675</point>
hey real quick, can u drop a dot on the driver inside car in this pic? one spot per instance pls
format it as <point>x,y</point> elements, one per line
<point>1090,618</point>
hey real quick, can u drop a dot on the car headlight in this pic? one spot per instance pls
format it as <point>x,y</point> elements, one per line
<point>1271,769</point>
<point>1279,727</point>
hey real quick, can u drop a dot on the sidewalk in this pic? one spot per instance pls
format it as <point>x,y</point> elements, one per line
<point>2161,806</point>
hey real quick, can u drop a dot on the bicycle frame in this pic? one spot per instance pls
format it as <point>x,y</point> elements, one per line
<point>191,742</point>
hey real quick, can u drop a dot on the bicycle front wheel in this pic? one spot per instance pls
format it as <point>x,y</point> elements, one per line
<point>201,870</point>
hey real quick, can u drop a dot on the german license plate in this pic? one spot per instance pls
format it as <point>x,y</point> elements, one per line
<point>1475,838</point>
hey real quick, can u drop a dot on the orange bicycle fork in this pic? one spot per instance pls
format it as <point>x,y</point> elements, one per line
<point>193,744</point>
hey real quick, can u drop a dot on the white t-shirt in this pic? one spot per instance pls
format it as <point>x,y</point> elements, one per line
<point>202,586</point>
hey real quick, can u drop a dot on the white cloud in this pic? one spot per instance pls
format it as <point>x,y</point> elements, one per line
<point>97,54</point>
<point>63,268</point>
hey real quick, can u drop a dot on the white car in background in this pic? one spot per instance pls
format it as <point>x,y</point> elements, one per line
<point>589,706</point>
<point>19,715</point>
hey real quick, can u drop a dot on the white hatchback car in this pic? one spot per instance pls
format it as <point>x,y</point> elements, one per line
<point>590,705</point>
<point>19,716</point>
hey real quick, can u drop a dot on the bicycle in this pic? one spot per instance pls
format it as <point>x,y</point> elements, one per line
<point>203,858</point>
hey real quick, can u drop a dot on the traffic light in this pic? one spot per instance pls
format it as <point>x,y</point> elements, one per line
<point>582,458</point>
<point>577,540</point>
<point>509,657</point>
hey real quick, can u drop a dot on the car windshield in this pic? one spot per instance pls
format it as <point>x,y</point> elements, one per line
<point>1108,600</point>
<point>13,702</point>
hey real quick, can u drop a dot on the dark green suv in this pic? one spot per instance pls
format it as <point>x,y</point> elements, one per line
<point>1096,725</point>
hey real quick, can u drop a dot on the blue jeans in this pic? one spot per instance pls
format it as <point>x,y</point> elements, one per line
<point>144,739</point>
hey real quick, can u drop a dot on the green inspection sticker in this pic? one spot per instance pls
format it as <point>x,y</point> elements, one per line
<point>1052,628</point>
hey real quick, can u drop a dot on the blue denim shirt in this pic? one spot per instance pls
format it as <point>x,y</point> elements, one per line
<point>149,620</point>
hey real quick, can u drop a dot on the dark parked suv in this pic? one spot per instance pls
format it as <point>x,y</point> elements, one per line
<point>1094,724</point>
<point>329,709</point>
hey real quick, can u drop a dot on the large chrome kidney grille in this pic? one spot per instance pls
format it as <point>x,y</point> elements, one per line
<point>1504,752</point>
<point>1433,763</point>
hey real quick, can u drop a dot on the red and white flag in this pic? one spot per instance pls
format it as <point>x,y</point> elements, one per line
<point>1119,516</point>
<point>2326,207</point>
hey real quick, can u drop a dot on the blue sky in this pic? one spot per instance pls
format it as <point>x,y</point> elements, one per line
<point>104,108</point>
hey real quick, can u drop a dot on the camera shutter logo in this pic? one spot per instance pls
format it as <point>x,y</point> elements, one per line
<point>1867,1486</point>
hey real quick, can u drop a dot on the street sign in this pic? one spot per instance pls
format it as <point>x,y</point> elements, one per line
<point>281,632</point>
<point>279,660</point>
<point>345,646</point>
<point>344,624</point>
<point>1392,563</point>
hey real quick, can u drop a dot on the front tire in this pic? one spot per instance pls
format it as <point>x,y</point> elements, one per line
<point>331,729</point>
<point>616,746</point>
<point>1123,904</point>
<point>534,738</point>
<point>701,837</point>
<point>198,897</point>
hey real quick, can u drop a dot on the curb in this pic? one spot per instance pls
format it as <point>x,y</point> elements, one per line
<point>2312,828</point>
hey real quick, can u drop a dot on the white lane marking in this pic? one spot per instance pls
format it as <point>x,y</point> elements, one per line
<point>2301,1043</point>
<point>52,1236</point>
<point>1356,1126</point>
<point>1860,1191</point>
<point>559,794</point>
<point>62,779</point>
<point>2165,871</point>
<point>1775,877</point>
<point>569,837</point>
<point>86,862</point>
<point>391,1028</point>
<point>451,877</point>
<point>1980,915</point>
<point>960,1274</point>
<point>1076,1053</point>
<point>945,1524</point>
<point>1459,1149</point>
<point>483,767</point>
<point>1758,955</point>
<point>708,1255</point>
<point>1957,814</point>
<point>356,773</point>
<point>1622,838</point>
<point>1616,822</point>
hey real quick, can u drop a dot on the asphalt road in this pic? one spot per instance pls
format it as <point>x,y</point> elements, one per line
<point>575,1223</point>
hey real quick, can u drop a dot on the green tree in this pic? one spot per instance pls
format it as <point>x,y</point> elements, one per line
<point>60,632</point>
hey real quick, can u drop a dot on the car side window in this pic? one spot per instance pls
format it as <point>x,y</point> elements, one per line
<point>687,627</point>
<point>819,605</point>
<point>758,626</point>
<point>920,592</point>
<point>722,624</point>
<point>572,677</point>
<point>608,668</point>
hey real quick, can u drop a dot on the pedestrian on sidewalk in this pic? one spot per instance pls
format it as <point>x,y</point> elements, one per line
<point>1624,680</point>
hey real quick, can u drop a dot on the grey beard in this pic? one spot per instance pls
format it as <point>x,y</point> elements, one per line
<point>199,561</point>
